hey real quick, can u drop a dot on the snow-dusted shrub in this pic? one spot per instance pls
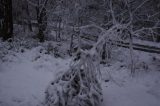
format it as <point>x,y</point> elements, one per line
<point>19,43</point>
<point>60,50</point>
<point>79,86</point>
<point>5,51</point>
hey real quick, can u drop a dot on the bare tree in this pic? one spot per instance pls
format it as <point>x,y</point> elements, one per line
<point>26,9</point>
<point>7,19</point>
<point>41,16</point>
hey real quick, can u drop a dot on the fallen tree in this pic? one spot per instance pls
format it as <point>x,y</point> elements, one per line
<point>79,86</point>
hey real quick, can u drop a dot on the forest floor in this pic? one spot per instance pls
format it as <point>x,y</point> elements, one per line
<point>25,76</point>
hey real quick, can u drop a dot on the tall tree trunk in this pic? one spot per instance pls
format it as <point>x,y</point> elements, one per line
<point>41,19</point>
<point>59,28</point>
<point>131,54</point>
<point>29,17</point>
<point>71,45</point>
<point>42,23</point>
<point>7,24</point>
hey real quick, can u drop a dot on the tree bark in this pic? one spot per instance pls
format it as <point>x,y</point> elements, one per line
<point>42,23</point>
<point>42,20</point>
<point>7,21</point>
<point>29,17</point>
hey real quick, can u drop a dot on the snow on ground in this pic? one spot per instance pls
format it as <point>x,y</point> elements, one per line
<point>24,80</point>
<point>137,91</point>
<point>141,90</point>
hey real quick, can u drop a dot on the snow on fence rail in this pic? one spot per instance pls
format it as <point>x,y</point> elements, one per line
<point>136,46</point>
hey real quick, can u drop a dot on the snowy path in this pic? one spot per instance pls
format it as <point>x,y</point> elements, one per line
<point>24,80</point>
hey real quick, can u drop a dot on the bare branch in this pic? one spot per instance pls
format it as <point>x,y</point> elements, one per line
<point>32,3</point>
<point>140,6</point>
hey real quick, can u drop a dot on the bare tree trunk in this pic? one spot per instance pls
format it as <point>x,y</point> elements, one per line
<point>28,18</point>
<point>71,44</point>
<point>7,24</point>
<point>158,38</point>
<point>42,23</point>
<point>103,56</point>
<point>131,54</point>
<point>41,19</point>
<point>58,32</point>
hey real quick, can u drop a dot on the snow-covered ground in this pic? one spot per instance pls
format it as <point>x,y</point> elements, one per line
<point>142,90</point>
<point>23,80</point>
